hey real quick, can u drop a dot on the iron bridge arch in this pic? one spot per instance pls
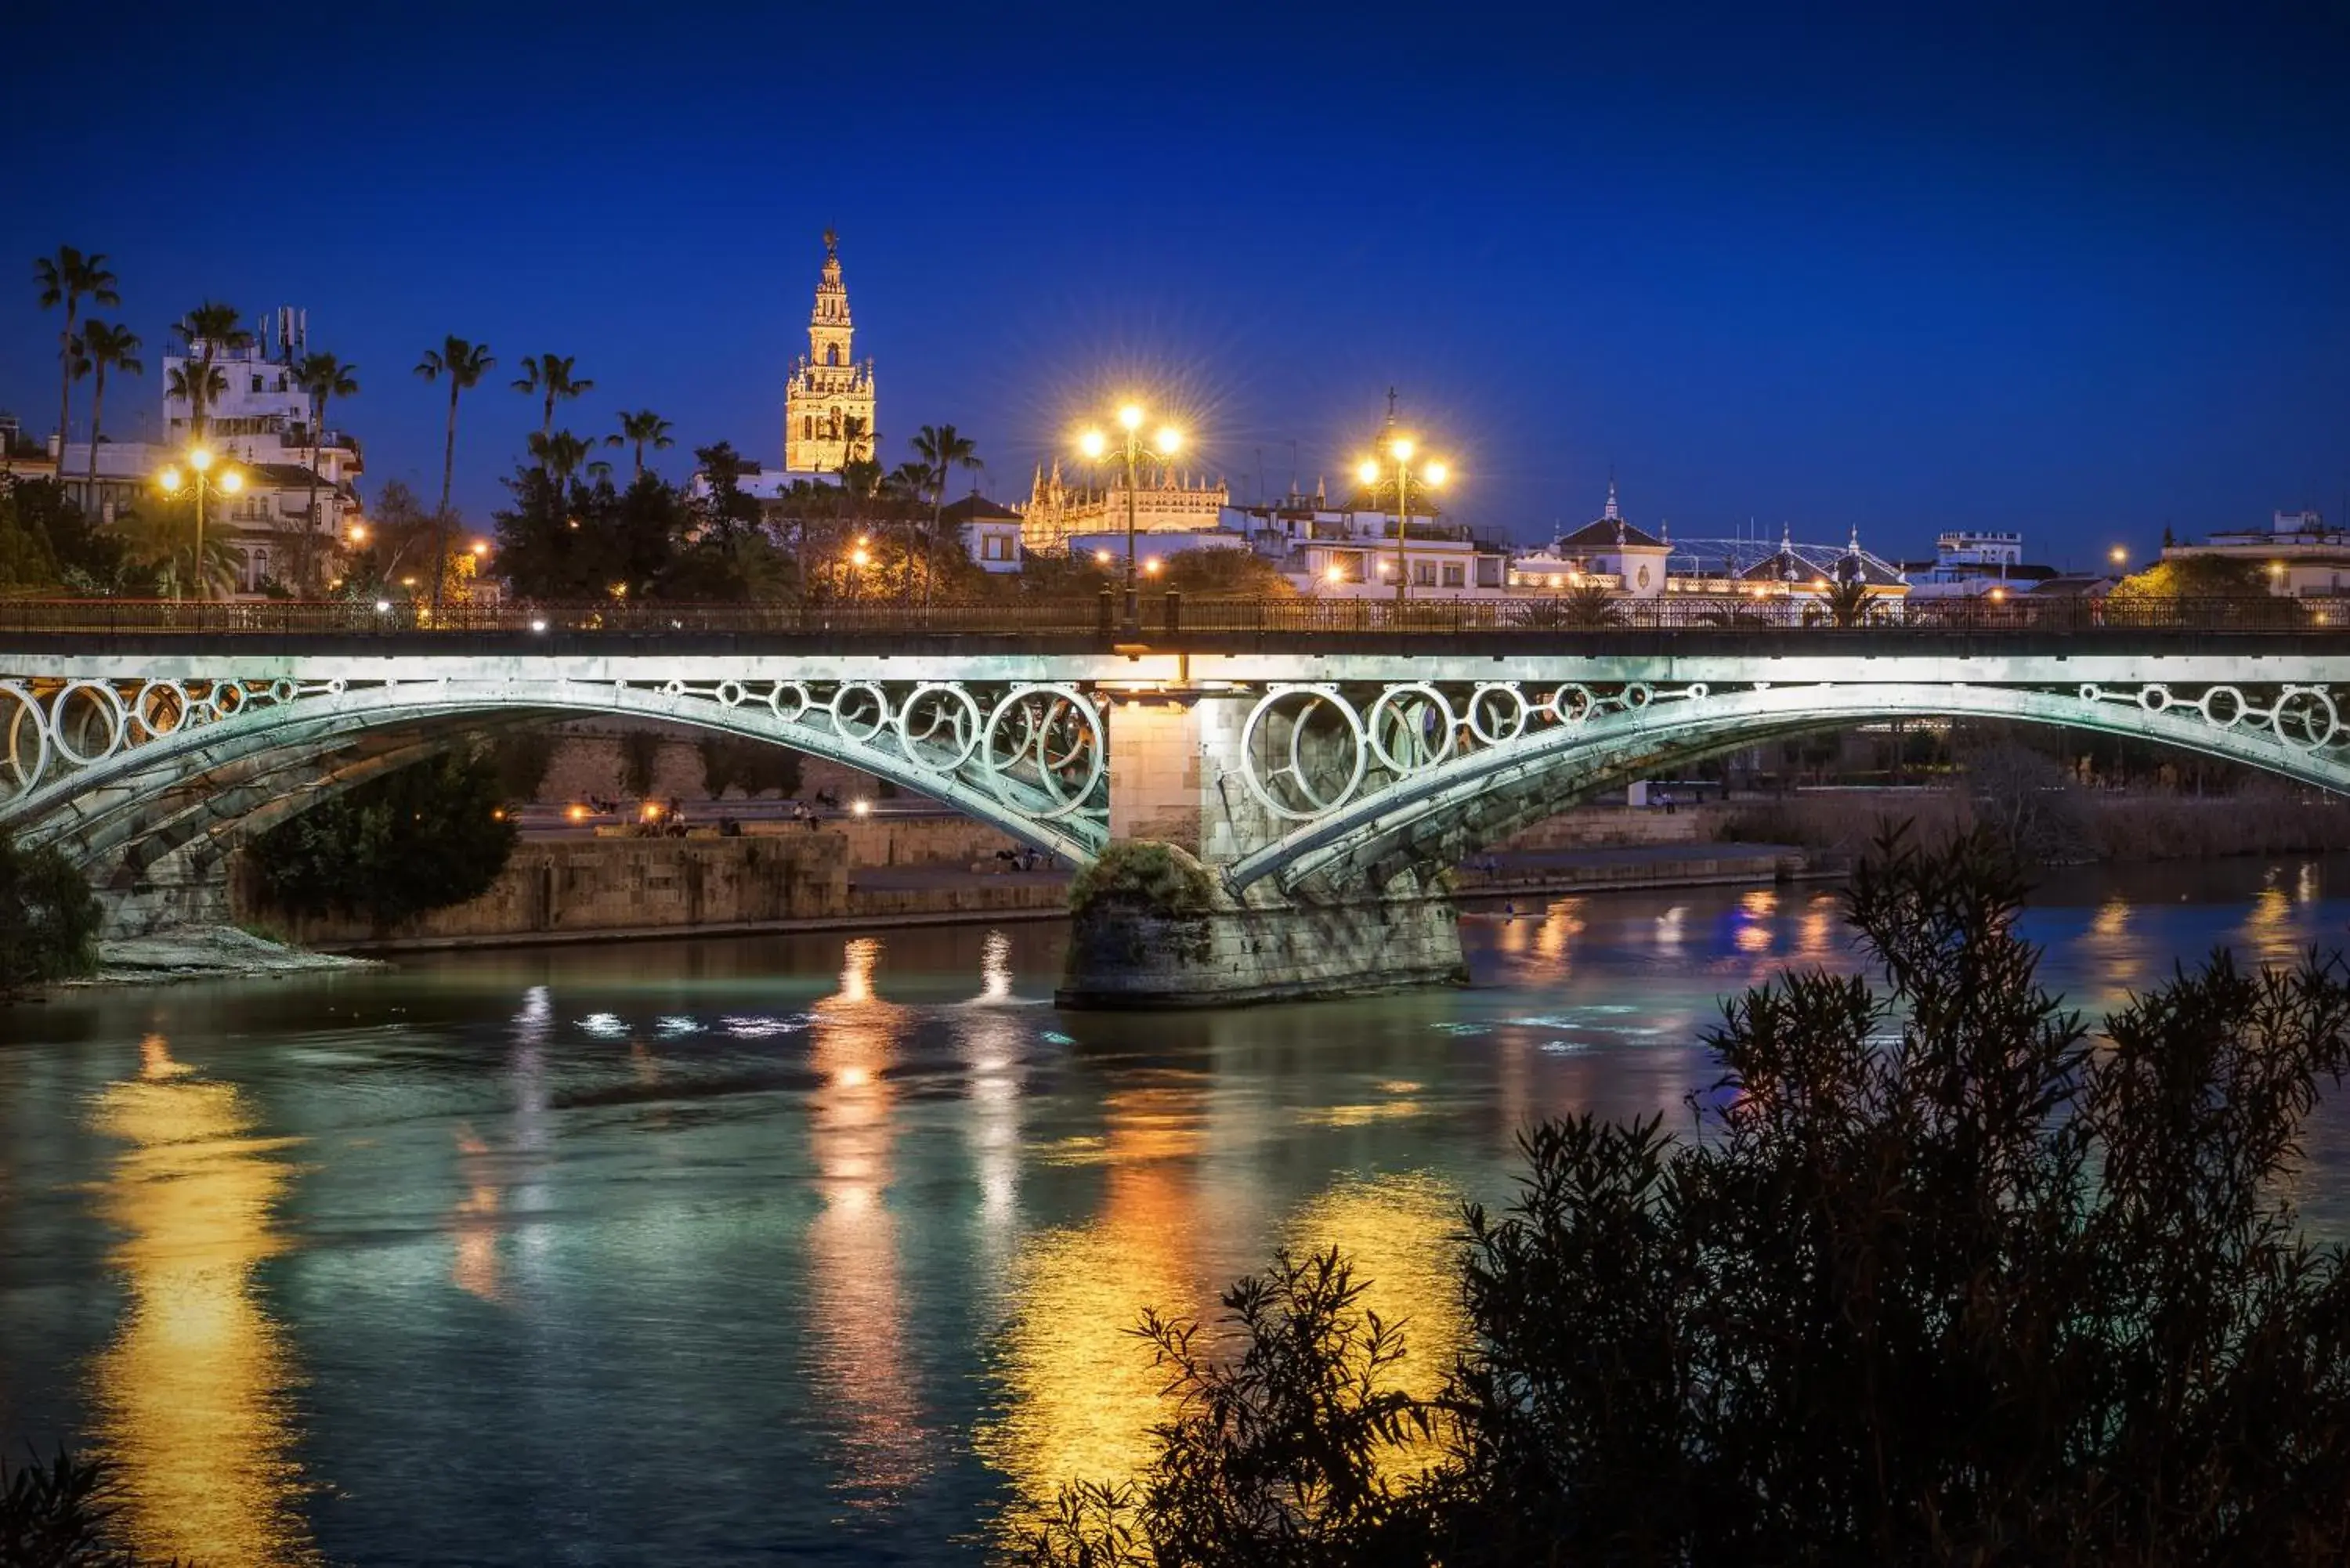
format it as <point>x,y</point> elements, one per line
<point>82,759</point>
<point>1363,781</point>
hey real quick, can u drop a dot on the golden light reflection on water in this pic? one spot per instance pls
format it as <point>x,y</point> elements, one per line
<point>856,1307</point>
<point>1758,910</point>
<point>1080,1393</point>
<point>474,1225</point>
<point>193,1395</point>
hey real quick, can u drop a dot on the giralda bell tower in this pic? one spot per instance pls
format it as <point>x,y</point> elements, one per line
<point>828,411</point>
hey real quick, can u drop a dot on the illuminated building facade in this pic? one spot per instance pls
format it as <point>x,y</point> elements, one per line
<point>829,410</point>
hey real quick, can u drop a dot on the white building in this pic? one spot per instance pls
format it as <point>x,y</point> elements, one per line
<point>2298,553</point>
<point>989,532</point>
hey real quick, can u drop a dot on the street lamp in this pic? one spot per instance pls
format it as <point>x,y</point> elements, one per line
<point>1433,473</point>
<point>2119,554</point>
<point>228,481</point>
<point>1094,445</point>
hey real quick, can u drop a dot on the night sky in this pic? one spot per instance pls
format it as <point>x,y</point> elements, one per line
<point>2082,273</point>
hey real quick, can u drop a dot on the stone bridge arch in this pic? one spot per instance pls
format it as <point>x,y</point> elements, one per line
<point>1370,786</point>
<point>152,783</point>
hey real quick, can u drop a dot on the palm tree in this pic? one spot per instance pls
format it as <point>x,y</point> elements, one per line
<point>560,455</point>
<point>642,429</point>
<point>551,374</point>
<point>1847,605</point>
<point>105,348</point>
<point>943,449</point>
<point>325,378</point>
<point>67,278</point>
<point>464,364</point>
<point>857,438</point>
<point>198,383</point>
<point>160,536</point>
<point>204,332</point>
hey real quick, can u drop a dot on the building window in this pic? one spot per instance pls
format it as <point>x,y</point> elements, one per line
<point>1489,572</point>
<point>807,427</point>
<point>832,353</point>
<point>1455,575</point>
<point>995,547</point>
<point>1424,573</point>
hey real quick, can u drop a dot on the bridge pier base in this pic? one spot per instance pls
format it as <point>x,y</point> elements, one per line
<point>1127,955</point>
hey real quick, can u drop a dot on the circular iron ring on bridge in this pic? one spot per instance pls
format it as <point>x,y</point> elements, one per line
<point>2304,718</point>
<point>1037,738</point>
<point>1407,708</point>
<point>1571,702</point>
<point>794,693</point>
<point>71,713</point>
<point>1304,705</point>
<point>2227,697</point>
<point>860,711</point>
<point>26,734</point>
<point>160,708</point>
<point>227,699</point>
<point>1500,700</point>
<point>937,706</point>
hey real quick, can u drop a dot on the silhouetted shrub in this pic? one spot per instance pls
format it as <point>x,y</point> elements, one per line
<point>48,921</point>
<point>1943,1280</point>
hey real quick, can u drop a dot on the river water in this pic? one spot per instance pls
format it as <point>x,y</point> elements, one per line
<point>814,1247</point>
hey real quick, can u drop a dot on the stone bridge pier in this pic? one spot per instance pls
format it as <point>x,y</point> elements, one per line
<point>1160,922</point>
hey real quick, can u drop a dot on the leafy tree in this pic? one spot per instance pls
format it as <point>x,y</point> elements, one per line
<point>203,332</point>
<point>325,378</point>
<point>755,767</point>
<point>67,279</point>
<point>49,920</point>
<point>522,758</point>
<point>463,364</point>
<point>727,555</point>
<point>107,347</point>
<point>46,541</point>
<point>2215,588</point>
<point>1940,1278</point>
<point>400,534</point>
<point>1225,574</point>
<point>640,763</point>
<point>158,535</point>
<point>550,374</point>
<point>639,429</point>
<point>420,838</point>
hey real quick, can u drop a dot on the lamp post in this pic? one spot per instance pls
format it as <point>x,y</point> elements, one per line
<point>1433,473</point>
<point>200,476</point>
<point>1094,444</point>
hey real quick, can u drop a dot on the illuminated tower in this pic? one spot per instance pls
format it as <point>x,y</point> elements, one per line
<point>831,398</point>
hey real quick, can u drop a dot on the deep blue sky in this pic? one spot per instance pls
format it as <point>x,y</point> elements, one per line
<point>2081,273</point>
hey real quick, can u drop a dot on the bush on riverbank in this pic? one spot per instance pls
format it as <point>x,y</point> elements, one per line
<point>421,838</point>
<point>49,920</point>
<point>1941,1280</point>
<point>61,1513</point>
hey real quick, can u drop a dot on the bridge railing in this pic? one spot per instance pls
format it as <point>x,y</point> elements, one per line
<point>1173,614</point>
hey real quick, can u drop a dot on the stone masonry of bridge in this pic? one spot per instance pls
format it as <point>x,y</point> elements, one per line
<point>1318,785</point>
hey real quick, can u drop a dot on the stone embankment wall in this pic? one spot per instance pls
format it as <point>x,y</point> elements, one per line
<point>586,762</point>
<point>2113,826</point>
<point>1615,827</point>
<point>580,885</point>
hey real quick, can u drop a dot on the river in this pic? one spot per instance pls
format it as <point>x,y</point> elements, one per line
<point>818,1247</point>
